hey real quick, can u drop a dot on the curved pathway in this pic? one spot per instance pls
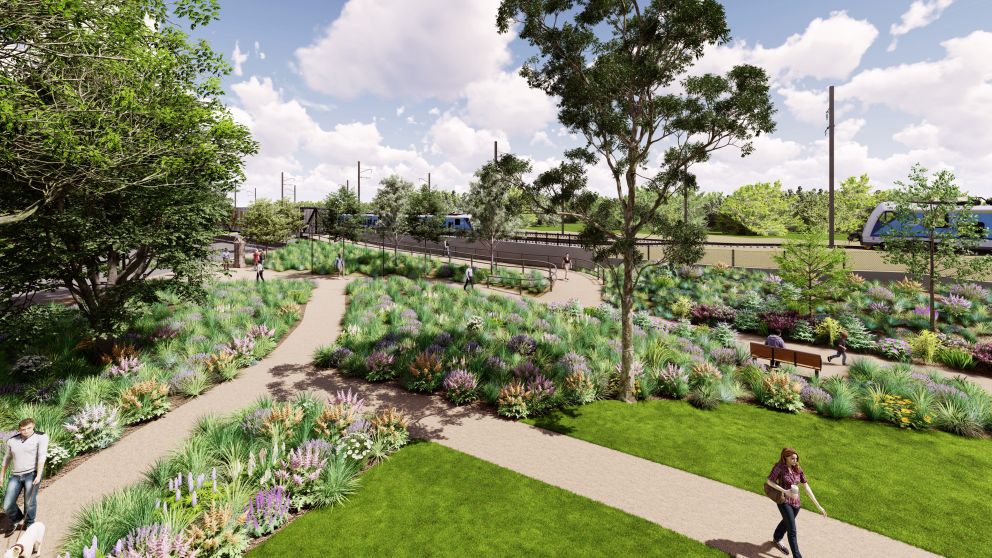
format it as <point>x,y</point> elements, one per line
<point>740,525</point>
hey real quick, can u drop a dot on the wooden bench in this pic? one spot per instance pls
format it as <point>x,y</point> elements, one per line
<point>788,356</point>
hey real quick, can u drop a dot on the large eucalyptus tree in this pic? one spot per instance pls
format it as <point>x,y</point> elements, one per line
<point>619,69</point>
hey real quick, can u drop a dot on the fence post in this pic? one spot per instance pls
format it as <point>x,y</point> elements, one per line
<point>733,257</point>
<point>649,252</point>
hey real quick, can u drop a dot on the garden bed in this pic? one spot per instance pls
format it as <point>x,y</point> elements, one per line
<point>86,391</point>
<point>930,490</point>
<point>891,321</point>
<point>376,262</point>
<point>525,358</point>
<point>431,500</point>
<point>239,478</point>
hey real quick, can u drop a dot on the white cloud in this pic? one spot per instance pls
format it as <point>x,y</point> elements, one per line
<point>462,145</point>
<point>238,58</point>
<point>919,136</point>
<point>291,140</point>
<point>829,48</point>
<point>398,49</point>
<point>400,110</point>
<point>434,111</point>
<point>920,14</point>
<point>411,120</point>
<point>541,138</point>
<point>505,102</point>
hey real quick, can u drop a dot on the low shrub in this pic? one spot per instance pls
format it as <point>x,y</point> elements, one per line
<point>460,387</point>
<point>94,427</point>
<point>781,392</point>
<point>143,401</point>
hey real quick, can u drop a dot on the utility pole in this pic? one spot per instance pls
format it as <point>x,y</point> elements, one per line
<point>830,218</point>
<point>359,184</point>
<point>282,186</point>
<point>428,182</point>
<point>494,151</point>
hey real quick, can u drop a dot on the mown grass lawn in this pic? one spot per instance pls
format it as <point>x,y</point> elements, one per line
<point>932,490</point>
<point>429,500</point>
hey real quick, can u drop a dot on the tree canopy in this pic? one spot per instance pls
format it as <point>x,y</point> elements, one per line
<point>619,70</point>
<point>392,205</point>
<point>272,222</point>
<point>495,200</point>
<point>117,153</point>
<point>812,267</point>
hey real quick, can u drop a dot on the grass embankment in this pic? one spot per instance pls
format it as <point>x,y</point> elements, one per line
<point>928,489</point>
<point>429,500</point>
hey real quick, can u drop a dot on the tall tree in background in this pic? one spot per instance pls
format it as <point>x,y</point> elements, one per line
<point>117,154</point>
<point>392,205</point>
<point>496,201</point>
<point>343,219</point>
<point>812,267</point>
<point>272,222</point>
<point>619,68</point>
<point>931,235</point>
<point>760,208</point>
<point>808,208</point>
<point>854,204</point>
<point>425,219</point>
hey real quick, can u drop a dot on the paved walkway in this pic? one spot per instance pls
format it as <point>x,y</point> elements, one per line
<point>722,516</point>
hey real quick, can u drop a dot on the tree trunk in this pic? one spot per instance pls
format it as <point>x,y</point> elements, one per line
<point>492,256</point>
<point>626,331</point>
<point>111,267</point>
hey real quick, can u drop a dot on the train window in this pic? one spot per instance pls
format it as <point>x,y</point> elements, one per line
<point>886,217</point>
<point>458,221</point>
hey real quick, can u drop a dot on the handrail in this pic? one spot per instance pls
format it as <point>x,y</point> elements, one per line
<point>471,258</point>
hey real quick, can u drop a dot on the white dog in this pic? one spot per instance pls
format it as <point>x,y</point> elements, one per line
<point>28,543</point>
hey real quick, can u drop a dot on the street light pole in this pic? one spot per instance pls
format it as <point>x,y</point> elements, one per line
<point>830,219</point>
<point>282,186</point>
<point>359,184</point>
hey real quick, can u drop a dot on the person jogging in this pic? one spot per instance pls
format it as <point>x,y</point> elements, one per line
<point>25,456</point>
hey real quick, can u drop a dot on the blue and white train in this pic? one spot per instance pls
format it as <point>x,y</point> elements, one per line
<point>454,222</point>
<point>883,219</point>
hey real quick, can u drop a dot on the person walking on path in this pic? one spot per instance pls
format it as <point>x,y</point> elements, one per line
<point>447,248</point>
<point>786,476</point>
<point>225,257</point>
<point>468,278</point>
<point>841,347</point>
<point>25,455</point>
<point>339,265</point>
<point>566,264</point>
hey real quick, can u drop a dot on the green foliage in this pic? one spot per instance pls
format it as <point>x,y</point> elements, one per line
<point>779,391</point>
<point>392,205</point>
<point>813,268</point>
<point>830,329</point>
<point>126,175</point>
<point>853,203</point>
<point>686,242</point>
<point>495,200</point>
<point>653,48</point>
<point>268,222</point>
<point>343,219</point>
<point>953,231</point>
<point>808,208</point>
<point>925,345</point>
<point>760,208</point>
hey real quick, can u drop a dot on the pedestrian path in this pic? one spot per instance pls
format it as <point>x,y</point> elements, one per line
<point>722,516</point>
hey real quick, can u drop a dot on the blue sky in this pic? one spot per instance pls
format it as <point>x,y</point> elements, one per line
<point>427,86</point>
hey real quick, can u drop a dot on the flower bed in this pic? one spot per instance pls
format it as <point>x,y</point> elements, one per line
<point>881,319</point>
<point>82,390</point>
<point>375,263</point>
<point>525,359</point>
<point>239,478</point>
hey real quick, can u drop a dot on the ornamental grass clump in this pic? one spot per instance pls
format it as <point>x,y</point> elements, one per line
<point>579,388</point>
<point>724,356</point>
<point>781,392</point>
<point>94,427</point>
<point>154,541</point>
<point>983,353</point>
<point>895,349</point>
<point>971,291</point>
<point>267,510</point>
<point>219,533</point>
<point>300,470</point>
<point>460,387</point>
<point>282,418</point>
<point>522,344</point>
<point>123,366</point>
<point>379,367</point>
<point>955,305</point>
<point>540,391</point>
<point>221,364</point>
<point>673,381</point>
<point>188,382</point>
<point>143,401</point>
<point>512,400</point>
<point>425,373</point>
<point>925,345</point>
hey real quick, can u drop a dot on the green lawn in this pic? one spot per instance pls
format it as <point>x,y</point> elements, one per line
<point>932,490</point>
<point>429,500</point>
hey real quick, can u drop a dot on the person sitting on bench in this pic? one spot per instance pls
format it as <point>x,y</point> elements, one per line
<point>776,342</point>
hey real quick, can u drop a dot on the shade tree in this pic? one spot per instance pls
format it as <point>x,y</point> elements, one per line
<point>619,69</point>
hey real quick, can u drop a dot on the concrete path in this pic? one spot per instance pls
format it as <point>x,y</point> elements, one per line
<point>722,516</point>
